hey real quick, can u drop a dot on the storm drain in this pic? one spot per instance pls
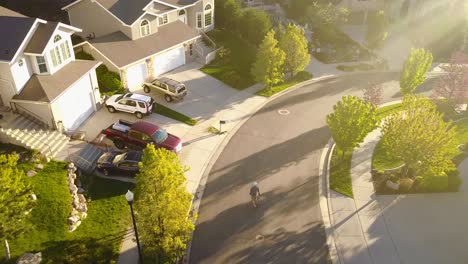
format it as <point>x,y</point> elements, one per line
<point>283,112</point>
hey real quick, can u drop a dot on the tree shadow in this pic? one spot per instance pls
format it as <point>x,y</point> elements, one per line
<point>425,88</point>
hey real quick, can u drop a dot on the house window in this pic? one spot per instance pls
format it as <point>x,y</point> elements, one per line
<point>191,49</point>
<point>163,20</point>
<point>199,20</point>
<point>41,64</point>
<point>57,38</point>
<point>182,12</point>
<point>144,28</point>
<point>55,54</point>
<point>65,50</point>
<point>208,15</point>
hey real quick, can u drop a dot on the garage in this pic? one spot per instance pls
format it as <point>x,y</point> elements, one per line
<point>169,60</point>
<point>136,75</point>
<point>76,104</point>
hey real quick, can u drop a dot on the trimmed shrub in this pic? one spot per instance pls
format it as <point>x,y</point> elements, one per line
<point>303,76</point>
<point>232,78</point>
<point>432,184</point>
<point>83,56</point>
<point>454,180</point>
<point>109,83</point>
<point>101,69</point>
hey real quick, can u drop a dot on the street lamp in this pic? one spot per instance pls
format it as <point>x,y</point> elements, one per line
<point>129,197</point>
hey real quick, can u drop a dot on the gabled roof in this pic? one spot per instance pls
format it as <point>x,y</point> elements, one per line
<point>128,11</point>
<point>14,28</point>
<point>41,37</point>
<point>46,88</point>
<point>122,51</point>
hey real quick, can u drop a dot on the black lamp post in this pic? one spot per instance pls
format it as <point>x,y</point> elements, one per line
<point>129,197</point>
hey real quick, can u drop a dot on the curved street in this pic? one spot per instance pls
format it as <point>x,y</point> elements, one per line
<point>281,151</point>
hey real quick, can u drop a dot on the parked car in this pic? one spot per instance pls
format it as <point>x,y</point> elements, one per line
<point>138,104</point>
<point>172,89</point>
<point>117,163</point>
<point>139,134</point>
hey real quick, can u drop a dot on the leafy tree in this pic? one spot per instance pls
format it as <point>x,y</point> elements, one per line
<point>377,30</point>
<point>453,86</point>
<point>373,93</point>
<point>414,70</point>
<point>15,200</point>
<point>420,138</point>
<point>294,45</point>
<point>227,13</point>
<point>162,205</point>
<point>267,67</point>
<point>350,122</point>
<point>254,25</point>
<point>322,14</point>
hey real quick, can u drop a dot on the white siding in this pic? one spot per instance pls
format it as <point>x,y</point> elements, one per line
<point>21,74</point>
<point>38,110</point>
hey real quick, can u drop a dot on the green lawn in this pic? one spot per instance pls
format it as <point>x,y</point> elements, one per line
<point>166,111</point>
<point>300,77</point>
<point>234,70</point>
<point>462,131</point>
<point>96,240</point>
<point>388,110</point>
<point>383,159</point>
<point>340,172</point>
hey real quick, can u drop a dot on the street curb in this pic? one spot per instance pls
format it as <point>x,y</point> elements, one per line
<point>324,197</point>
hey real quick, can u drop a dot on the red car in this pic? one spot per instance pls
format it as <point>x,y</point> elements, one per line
<point>137,135</point>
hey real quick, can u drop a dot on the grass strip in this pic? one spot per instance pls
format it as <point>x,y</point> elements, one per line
<point>166,111</point>
<point>340,172</point>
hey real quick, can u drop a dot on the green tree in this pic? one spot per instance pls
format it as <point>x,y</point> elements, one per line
<point>15,200</point>
<point>162,204</point>
<point>377,30</point>
<point>294,44</point>
<point>352,119</point>
<point>254,25</point>
<point>267,67</point>
<point>227,13</point>
<point>414,70</point>
<point>420,138</point>
<point>324,14</point>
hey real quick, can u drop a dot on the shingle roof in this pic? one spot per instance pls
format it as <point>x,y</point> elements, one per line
<point>7,12</point>
<point>46,88</point>
<point>41,37</point>
<point>179,2</point>
<point>13,31</point>
<point>126,10</point>
<point>122,51</point>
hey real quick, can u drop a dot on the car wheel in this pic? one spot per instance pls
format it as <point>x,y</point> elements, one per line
<point>146,89</point>
<point>139,115</point>
<point>111,109</point>
<point>105,172</point>
<point>168,98</point>
<point>119,144</point>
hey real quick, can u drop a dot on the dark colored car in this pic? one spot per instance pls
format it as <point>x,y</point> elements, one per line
<point>139,134</point>
<point>118,163</point>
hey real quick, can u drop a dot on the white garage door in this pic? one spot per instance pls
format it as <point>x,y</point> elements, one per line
<point>76,104</point>
<point>169,60</point>
<point>136,75</point>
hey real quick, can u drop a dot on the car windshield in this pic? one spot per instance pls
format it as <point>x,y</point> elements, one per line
<point>118,158</point>
<point>181,89</point>
<point>160,136</point>
<point>118,98</point>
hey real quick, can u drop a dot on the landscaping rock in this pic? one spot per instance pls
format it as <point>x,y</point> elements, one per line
<point>30,258</point>
<point>31,173</point>
<point>80,190</point>
<point>392,185</point>
<point>72,176</point>
<point>71,165</point>
<point>84,215</point>
<point>33,197</point>
<point>81,198</point>
<point>74,212</point>
<point>73,219</point>
<point>82,208</point>
<point>71,228</point>
<point>39,166</point>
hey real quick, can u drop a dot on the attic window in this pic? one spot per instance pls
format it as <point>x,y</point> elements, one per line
<point>57,38</point>
<point>144,28</point>
<point>163,20</point>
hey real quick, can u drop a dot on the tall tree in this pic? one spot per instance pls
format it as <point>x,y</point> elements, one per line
<point>420,138</point>
<point>373,93</point>
<point>414,70</point>
<point>294,44</point>
<point>267,67</point>
<point>254,25</point>
<point>350,122</point>
<point>453,86</point>
<point>227,13</point>
<point>377,30</point>
<point>162,204</point>
<point>15,200</point>
<point>323,14</point>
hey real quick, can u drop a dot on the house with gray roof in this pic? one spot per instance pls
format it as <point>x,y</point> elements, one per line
<point>39,76</point>
<point>142,39</point>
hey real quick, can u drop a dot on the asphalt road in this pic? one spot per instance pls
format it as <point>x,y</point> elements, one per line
<point>281,152</point>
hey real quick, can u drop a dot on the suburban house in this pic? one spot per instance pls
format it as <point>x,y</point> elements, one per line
<point>142,39</point>
<point>39,76</point>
